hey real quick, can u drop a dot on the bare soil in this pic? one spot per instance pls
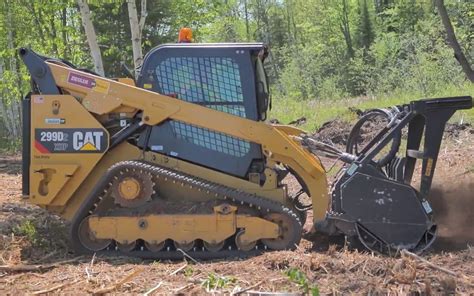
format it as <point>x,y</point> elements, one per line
<point>33,239</point>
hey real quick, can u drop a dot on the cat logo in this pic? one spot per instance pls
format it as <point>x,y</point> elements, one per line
<point>87,141</point>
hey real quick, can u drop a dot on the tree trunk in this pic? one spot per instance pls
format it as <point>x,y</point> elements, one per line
<point>4,108</point>
<point>91,36</point>
<point>345,28</point>
<point>12,111</point>
<point>452,40</point>
<point>64,33</point>
<point>136,29</point>
<point>247,26</point>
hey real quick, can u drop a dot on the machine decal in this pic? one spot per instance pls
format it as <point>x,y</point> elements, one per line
<point>54,120</point>
<point>38,100</point>
<point>429,166</point>
<point>87,82</point>
<point>69,140</point>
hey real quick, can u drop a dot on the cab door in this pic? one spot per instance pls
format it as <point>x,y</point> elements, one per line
<point>219,76</point>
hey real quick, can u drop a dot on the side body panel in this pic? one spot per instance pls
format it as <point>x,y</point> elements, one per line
<point>66,142</point>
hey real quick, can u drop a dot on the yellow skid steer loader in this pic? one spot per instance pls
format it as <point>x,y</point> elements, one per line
<point>182,160</point>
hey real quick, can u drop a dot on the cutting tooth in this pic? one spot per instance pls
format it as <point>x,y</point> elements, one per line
<point>141,248</point>
<point>168,249</point>
<point>116,248</point>
<point>174,181</point>
<point>95,205</point>
<point>101,198</point>
<point>259,208</point>
<point>230,248</point>
<point>265,247</point>
<point>90,212</point>
<point>194,249</point>
<point>115,177</point>
<point>241,202</point>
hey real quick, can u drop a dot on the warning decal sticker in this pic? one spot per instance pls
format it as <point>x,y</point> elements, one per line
<point>87,82</point>
<point>70,140</point>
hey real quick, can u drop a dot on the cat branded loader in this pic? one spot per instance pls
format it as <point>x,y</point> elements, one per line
<point>181,161</point>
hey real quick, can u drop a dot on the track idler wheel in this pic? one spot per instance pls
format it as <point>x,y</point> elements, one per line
<point>243,245</point>
<point>288,232</point>
<point>88,240</point>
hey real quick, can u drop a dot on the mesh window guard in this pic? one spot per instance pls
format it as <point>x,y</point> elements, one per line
<point>213,82</point>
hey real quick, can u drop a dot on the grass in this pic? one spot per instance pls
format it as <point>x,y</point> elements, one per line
<point>318,112</point>
<point>215,282</point>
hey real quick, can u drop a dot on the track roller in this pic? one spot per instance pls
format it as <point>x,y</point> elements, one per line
<point>214,247</point>
<point>243,245</point>
<point>185,246</point>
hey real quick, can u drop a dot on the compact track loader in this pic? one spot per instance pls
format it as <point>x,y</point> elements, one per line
<point>181,160</point>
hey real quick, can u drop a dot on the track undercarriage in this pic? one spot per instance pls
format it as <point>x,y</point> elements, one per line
<point>226,222</point>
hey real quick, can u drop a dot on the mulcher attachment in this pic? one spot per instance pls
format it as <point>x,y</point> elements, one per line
<point>372,198</point>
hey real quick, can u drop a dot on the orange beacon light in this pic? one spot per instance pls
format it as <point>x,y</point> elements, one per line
<point>185,35</point>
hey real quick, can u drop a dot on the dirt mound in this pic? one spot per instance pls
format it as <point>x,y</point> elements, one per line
<point>456,130</point>
<point>334,132</point>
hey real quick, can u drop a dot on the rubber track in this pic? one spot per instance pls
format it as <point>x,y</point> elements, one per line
<point>217,191</point>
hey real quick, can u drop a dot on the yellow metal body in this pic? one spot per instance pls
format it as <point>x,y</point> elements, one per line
<point>62,181</point>
<point>182,229</point>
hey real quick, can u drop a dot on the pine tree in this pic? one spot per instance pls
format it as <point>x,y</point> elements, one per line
<point>365,33</point>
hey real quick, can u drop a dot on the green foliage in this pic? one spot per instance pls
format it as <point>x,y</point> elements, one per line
<point>188,271</point>
<point>27,228</point>
<point>317,112</point>
<point>322,51</point>
<point>299,278</point>
<point>215,282</point>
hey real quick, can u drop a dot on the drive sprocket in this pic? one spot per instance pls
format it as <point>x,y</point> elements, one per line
<point>132,188</point>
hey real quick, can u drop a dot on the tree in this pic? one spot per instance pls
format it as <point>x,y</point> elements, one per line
<point>365,33</point>
<point>345,28</point>
<point>91,36</point>
<point>452,40</point>
<point>136,28</point>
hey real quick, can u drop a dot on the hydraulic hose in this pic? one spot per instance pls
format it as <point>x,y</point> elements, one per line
<point>355,134</point>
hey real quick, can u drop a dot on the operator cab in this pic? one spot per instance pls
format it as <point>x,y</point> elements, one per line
<point>225,77</point>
